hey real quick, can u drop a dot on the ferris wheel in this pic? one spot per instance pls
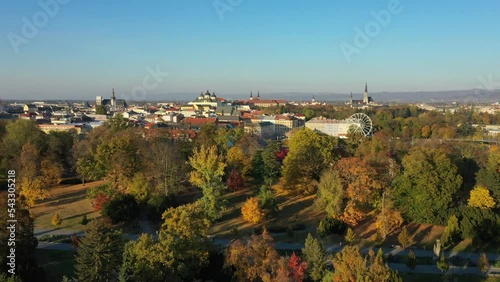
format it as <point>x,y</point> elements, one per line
<point>361,123</point>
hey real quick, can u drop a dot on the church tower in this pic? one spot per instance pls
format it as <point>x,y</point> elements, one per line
<point>365,98</point>
<point>350,100</point>
<point>251,95</point>
<point>113,99</point>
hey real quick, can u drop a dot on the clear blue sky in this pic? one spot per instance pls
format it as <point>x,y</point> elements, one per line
<point>272,46</point>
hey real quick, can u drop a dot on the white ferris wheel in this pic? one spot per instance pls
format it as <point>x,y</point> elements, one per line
<point>361,124</point>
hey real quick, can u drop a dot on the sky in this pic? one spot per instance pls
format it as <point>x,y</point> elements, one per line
<point>76,49</point>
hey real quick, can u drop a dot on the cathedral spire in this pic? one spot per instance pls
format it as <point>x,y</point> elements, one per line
<point>258,94</point>
<point>366,87</point>
<point>113,96</point>
<point>251,94</point>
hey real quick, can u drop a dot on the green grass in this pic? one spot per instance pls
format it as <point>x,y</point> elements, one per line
<point>56,263</point>
<point>55,238</point>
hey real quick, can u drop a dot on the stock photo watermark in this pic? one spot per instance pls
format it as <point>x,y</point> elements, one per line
<point>150,82</point>
<point>31,26</point>
<point>363,36</point>
<point>223,6</point>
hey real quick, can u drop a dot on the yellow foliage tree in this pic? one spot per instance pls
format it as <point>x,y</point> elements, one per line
<point>56,220</point>
<point>33,190</point>
<point>251,211</point>
<point>352,215</point>
<point>480,198</point>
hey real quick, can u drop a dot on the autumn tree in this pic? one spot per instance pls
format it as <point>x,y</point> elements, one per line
<point>309,153</point>
<point>314,255</point>
<point>56,220</point>
<point>253,260</point>
<point>427,186</point>
<point>350,265</point>
<point>480,198</point>
<point>252,211</point>
<point>350,237</point>
<point>208,169</point>
<point>235,181</point>
<point>99,253</point>
<point>404,238</point>
<point>297,268</point>
<point>489,175</point>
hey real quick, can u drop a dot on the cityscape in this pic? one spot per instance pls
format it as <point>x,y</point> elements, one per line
<point>283,141</point>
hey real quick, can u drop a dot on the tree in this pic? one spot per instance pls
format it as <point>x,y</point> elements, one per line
<point>428,185</point>
<point>56,220</point>
<point>99,253</point>
<point>404,238</point>
<point>252,212</point>
<point>121,208</point>
<point>100,110</point>
<point>483,264</point>
<point>235,182</point>
<point>253,260</point>
<point>331,194</point>
<point>25,241</point>
<point>168,166</point>
<point>208,169</point>
<point>297,268</point>
<point>442,263</point>
<point>268,200</point>
<point>480,198</point>
<point>350,237</point>
<point>411,260</point>
<point>314,255</point>
<point>271,165</point>
<point>178,255</point>
<point>85,220</point>
<point>309,153</point>
<point>451,232</point>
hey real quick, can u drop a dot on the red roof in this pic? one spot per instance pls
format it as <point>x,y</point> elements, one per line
<point>191,120</point>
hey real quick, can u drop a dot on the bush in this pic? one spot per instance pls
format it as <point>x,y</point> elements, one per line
<point>329,225</point>
<point>100,201</point>
<point>84,221</point>
<point>56,220</point>
<point>104,189</point>
<point>123,207</point>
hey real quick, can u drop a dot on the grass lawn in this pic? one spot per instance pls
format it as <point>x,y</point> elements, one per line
<point>292,210</point>
<point>56,263</point>
<point>70,202</point>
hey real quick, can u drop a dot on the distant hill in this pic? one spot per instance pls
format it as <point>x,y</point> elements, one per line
<point>473,95</point>
<point>460,96</point>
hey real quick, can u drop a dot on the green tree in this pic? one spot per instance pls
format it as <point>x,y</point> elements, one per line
<point>442,263</point>
<point>411,260</point>
<point>483,264</point>
<point>309,153</point>
<point>268,200</point>
<point>99,253</point>
<point>271,166</point>
<point>331,194</point>
<point>100,110</point>
<point>25,241</point>
<point>428,185</point>
<point>180,253</point>
<point>208,169</point>
<point>314,255</point>
<point>451,232</point>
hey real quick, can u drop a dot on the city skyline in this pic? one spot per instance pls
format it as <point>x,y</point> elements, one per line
<point>83,49</point>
